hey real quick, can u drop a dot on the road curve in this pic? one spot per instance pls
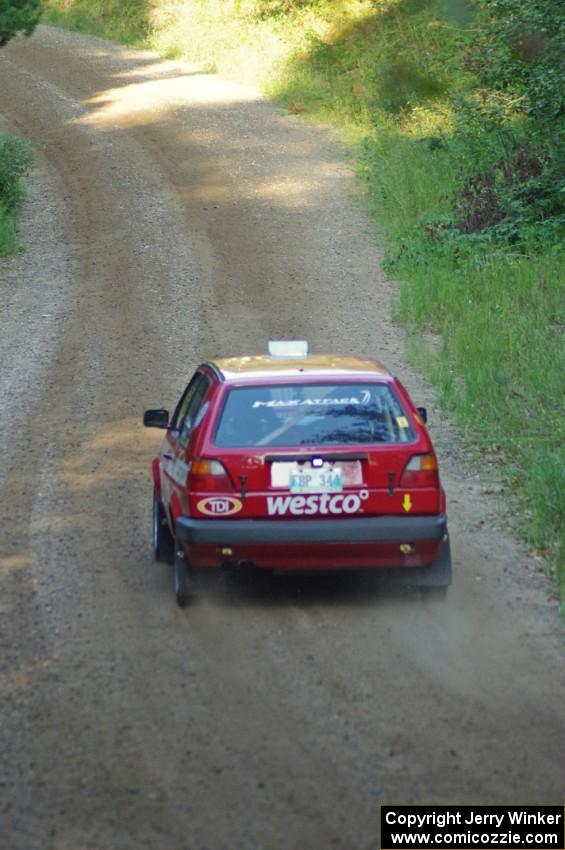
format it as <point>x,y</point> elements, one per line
<point>174,216</point>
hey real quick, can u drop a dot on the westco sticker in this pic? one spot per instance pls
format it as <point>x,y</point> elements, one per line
<point>219,506</point>
<point>320,503</point>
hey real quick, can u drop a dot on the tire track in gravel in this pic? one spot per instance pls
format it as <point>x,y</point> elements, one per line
<point>199,221</point>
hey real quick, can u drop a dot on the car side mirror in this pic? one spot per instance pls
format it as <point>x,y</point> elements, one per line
<point>156,418</point>
<point>423,413</point>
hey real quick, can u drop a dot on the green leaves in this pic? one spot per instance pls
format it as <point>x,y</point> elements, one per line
<point>522,50</point>
<point>15,159</point>
<point>18,16</point>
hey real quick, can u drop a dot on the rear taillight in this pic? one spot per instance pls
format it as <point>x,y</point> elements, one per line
<point>420,471</point>
<point>208,476</point>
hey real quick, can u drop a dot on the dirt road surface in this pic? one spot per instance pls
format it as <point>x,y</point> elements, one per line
<point>174,216</point>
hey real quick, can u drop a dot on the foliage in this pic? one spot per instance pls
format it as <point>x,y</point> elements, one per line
<point>18,16</point>
<point>521,51</point>
<point>126,21</point>
<point>15,159</point>
<point>272,8</point>
<point>517,52</point>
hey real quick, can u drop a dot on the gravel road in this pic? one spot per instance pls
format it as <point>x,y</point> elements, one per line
<point>174,216</point>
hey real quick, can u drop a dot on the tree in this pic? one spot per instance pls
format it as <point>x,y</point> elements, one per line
<point>18,16</point>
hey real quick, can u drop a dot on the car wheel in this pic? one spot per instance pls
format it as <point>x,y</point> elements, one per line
<point>163,543</point>
<point>184,582</point>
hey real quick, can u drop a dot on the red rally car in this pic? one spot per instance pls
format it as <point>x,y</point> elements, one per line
<point>298,462</point>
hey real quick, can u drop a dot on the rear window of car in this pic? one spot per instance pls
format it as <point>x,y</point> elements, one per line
<point>312,415</point>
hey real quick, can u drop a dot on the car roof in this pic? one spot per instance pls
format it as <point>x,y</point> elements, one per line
<point>326,366</point>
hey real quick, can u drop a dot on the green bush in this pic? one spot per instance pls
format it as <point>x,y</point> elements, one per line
<point>126,21</point>
<point>15,159</point>
<point>18,16</point>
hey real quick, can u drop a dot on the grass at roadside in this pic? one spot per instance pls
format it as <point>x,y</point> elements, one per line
<point>453,193</point>
<point>495,316</point>
<point>123,21</point>
<point>15,159</point>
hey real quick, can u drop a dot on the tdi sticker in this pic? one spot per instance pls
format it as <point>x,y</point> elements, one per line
<point>321,503</point>
<point>219,506</point>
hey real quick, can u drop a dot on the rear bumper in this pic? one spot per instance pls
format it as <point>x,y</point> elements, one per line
<point>381,529</point>
<point>364,543</point>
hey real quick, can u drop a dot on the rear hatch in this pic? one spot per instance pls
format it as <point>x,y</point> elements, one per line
<point>321,450</point>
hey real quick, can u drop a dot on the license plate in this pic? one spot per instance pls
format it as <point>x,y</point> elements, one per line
<point>351,472</point>
<point>313,480</point>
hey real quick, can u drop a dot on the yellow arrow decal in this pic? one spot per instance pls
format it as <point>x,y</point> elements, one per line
<point>407,503</point>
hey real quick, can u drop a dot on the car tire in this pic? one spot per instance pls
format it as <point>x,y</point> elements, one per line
<point>163,543</point>
<point>184,581</point>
